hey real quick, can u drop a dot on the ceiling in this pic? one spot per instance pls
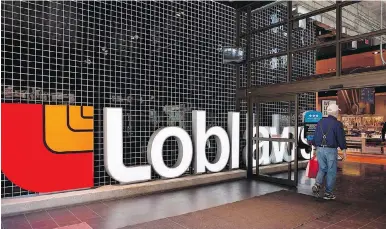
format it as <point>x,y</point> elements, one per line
<point>375,7</point>
<point>238,4</point>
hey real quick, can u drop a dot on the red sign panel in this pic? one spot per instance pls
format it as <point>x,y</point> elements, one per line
<point>47,148</point>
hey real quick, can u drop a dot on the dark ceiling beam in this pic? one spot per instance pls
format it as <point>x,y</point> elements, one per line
<point>243,4</point>
<point>359,80</point>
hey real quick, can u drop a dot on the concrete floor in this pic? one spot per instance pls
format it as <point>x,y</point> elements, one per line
<point>362,186</point>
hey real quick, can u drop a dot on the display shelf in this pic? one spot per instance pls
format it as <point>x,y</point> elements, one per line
<point>365,145</point>
<point>355,125</point>
<point>354,144</point>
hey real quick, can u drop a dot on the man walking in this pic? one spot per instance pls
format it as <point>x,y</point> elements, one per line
<point>329,135</point>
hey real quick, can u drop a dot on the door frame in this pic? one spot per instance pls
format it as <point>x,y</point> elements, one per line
<point>257,176</point>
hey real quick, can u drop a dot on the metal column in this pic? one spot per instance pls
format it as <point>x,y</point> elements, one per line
<point>289,41</point>
<point>338,37</point>
<point>250,101</point>
<point>237,66</point>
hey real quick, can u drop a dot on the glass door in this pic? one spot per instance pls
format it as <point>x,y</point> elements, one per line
<point>274,142</point>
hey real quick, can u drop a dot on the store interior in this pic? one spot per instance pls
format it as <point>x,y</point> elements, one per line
<point>363,114</point>
<point>363,110</point>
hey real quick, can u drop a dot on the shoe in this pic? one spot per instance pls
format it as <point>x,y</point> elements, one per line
<point>316,189</point>
<point>329,196</point>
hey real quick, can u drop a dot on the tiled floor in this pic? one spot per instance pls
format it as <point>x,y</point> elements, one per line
<point>364,187</point>
<point>352,217</point>
<point>120,213</point>
<point>361,185</point>
<point>283,209</point>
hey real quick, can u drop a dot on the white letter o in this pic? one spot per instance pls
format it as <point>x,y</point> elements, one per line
<point>185,151</point>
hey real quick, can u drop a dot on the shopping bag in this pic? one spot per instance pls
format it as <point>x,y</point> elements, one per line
<point>312,168</point>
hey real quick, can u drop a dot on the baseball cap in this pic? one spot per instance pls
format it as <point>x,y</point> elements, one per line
<point>332,108</point>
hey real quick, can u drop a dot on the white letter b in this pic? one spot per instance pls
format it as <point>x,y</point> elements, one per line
<point>200,136</point>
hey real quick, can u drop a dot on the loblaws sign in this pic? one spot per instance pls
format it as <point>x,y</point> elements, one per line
<point>49,148</point>
<point>227,147</point>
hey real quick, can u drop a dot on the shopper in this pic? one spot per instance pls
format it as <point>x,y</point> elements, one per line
<point>329,135</point>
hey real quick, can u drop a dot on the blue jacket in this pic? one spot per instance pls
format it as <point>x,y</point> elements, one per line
<point>335,137</point>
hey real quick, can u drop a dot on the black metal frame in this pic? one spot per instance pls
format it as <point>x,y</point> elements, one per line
<point>290,19</point>
<point>250,92</point>
<point>257,176</point>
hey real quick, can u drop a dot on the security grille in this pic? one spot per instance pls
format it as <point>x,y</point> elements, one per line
<point>274,70</point>
<point>157,60</point>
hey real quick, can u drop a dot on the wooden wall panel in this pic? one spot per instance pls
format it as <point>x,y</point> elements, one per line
<point>366,59</point>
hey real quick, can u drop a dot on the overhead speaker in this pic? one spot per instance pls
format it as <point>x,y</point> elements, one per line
<point>298,24</point>
<point>353,45</point>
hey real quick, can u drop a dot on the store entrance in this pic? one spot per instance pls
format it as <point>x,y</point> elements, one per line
<point>274,141</point>
<point>279,145</point>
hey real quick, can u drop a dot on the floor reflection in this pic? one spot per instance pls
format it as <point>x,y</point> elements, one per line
<point>367,159</point>
<point>356,183</point>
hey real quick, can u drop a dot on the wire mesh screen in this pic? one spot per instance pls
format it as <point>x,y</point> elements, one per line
<point>156,60</point>
<point>274,70</point>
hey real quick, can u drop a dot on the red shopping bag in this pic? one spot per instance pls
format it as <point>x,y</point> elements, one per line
<point>312,168</point>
